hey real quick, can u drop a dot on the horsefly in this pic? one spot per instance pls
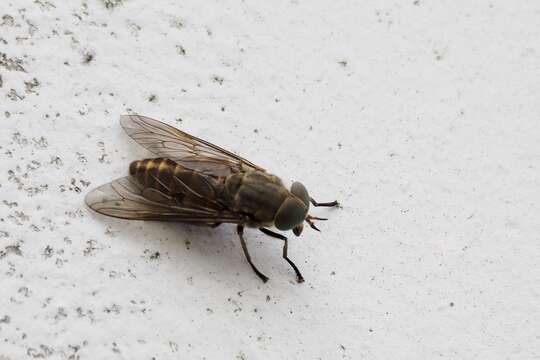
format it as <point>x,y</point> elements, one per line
<point>195,182</point>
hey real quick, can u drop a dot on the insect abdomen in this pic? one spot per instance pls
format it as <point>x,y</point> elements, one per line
<point>172,178</point>
<point>155,173</point>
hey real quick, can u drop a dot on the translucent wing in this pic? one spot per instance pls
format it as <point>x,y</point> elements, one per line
<point>125,198</point>
<point>189,151</point>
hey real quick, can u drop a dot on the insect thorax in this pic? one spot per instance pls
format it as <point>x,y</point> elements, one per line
<point>256,193</point>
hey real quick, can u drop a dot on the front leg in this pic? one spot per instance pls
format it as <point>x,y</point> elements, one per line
<point>240,231</point>
<point>299,277</point>
<point>328,204</point>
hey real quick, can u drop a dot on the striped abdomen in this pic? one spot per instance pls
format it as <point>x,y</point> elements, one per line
<point>172,179</point>
<point>156,173</point>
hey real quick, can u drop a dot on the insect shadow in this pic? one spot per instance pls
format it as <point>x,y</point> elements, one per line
<point>190,246</point>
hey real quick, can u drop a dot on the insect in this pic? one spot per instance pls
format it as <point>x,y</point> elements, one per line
<point>196,182</point>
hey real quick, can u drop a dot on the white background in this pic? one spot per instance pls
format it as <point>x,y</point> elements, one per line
<point>421,117</point>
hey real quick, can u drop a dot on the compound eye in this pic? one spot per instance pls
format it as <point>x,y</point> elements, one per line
<point>291,213</point>
<point>299,190</point>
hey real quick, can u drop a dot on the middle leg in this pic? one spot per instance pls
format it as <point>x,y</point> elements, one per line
<point>240,231</point>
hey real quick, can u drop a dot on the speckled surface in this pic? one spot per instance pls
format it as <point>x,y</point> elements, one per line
<point>422,118</point>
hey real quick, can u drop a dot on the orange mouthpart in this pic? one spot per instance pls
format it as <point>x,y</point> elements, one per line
<point>309,220</point>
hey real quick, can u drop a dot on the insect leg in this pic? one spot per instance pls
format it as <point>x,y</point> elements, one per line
<point>299,276</point>
<point>328,204</point>
<point>240,231</point>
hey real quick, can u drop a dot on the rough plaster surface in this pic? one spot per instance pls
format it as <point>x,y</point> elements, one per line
<point>421,117</point>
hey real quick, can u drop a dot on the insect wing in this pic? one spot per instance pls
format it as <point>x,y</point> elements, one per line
<point>125,198</point>
<point>189,151</point>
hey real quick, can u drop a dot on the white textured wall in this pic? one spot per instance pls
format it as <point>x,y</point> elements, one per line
<point>421,117</point>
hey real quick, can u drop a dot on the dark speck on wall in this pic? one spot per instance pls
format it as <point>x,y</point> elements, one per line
<point>88,57</point>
